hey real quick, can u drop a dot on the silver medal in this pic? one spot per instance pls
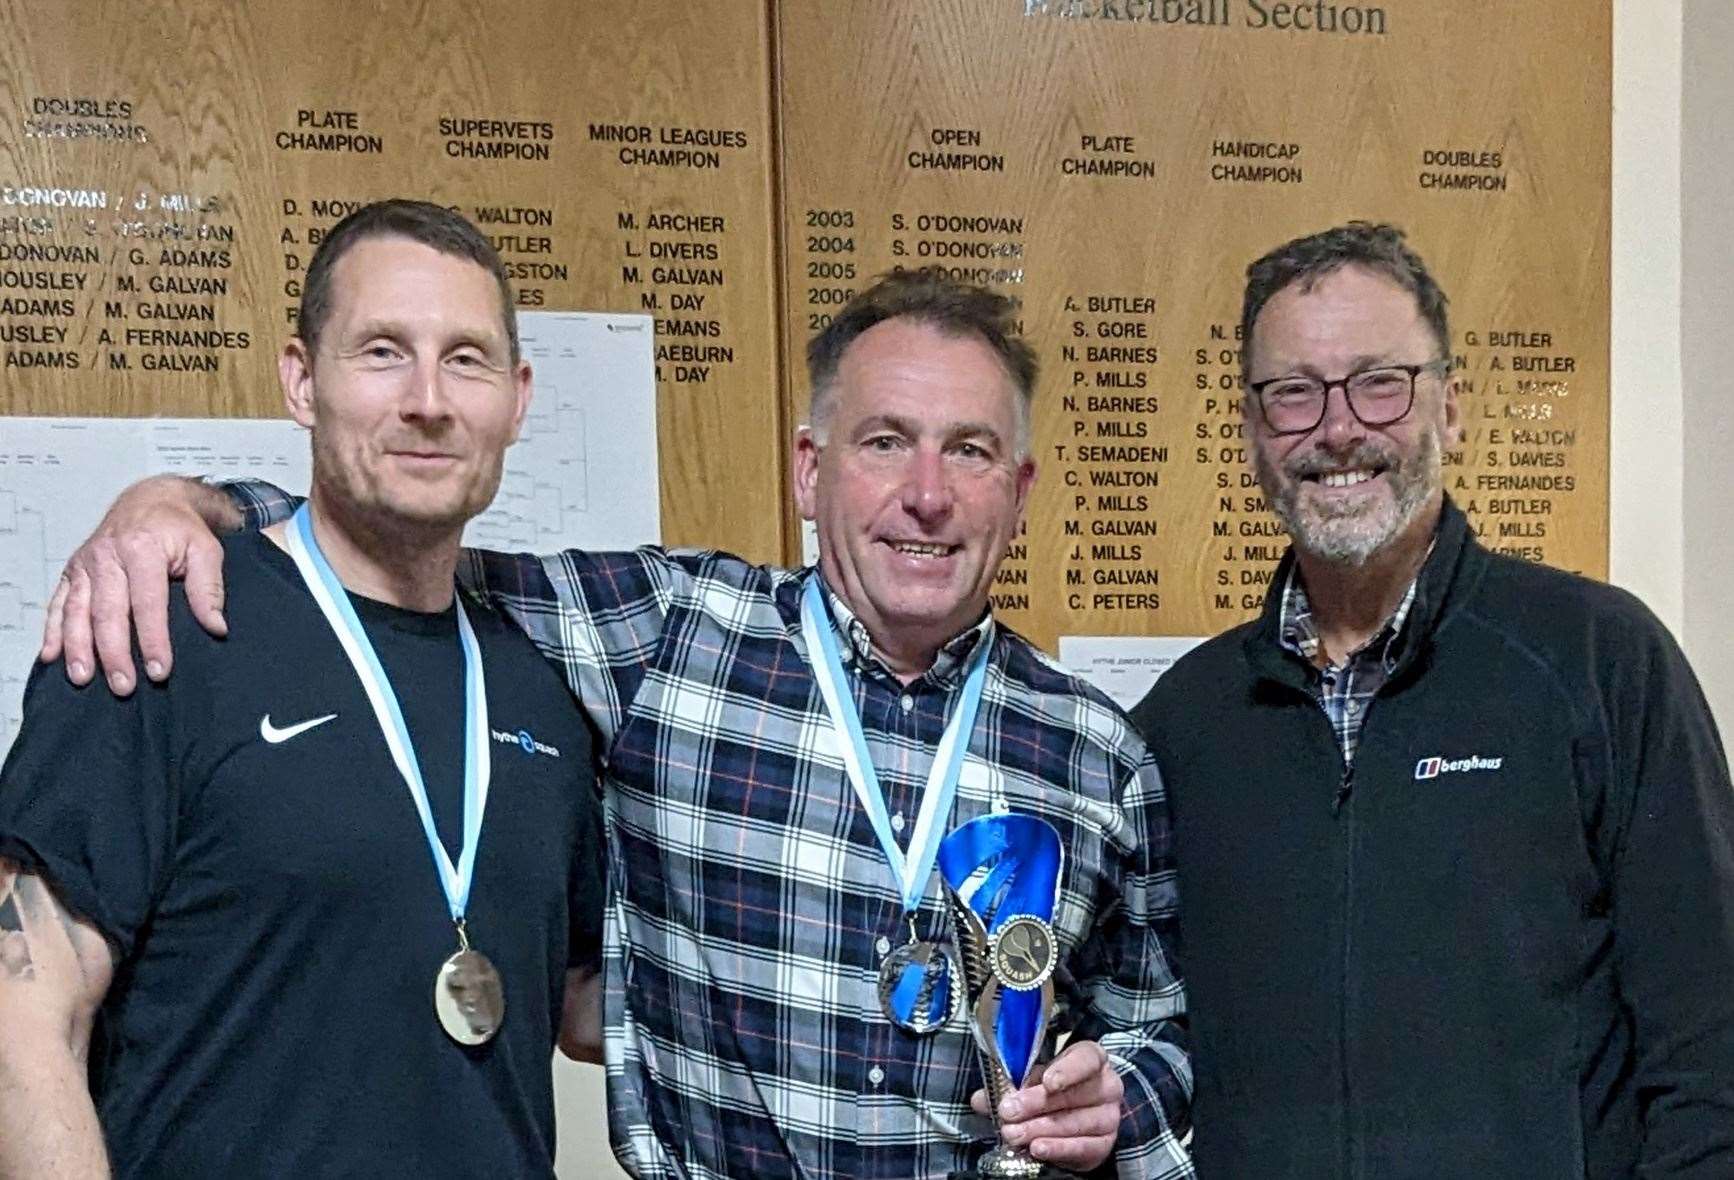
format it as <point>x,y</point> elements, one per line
<point>919,987</point>
<point>469,996</point>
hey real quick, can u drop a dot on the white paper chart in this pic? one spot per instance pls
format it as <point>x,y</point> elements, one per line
<point>584,471</point>
<point>1125,667</point>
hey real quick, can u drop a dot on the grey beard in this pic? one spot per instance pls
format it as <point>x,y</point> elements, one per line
<point>1352,538</point>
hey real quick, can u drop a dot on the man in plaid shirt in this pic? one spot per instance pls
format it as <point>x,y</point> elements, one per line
<point>750,904</point>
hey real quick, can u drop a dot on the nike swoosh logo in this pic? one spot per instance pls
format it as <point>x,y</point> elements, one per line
<point>274,735</point>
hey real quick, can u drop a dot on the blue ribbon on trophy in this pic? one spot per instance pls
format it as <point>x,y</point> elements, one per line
<point>1002,877</point>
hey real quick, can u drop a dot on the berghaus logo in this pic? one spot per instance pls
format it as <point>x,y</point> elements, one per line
<point>1435,766</point>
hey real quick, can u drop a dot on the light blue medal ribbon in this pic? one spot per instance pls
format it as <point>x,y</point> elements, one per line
<point>911,872</point>
<point>334,603</point>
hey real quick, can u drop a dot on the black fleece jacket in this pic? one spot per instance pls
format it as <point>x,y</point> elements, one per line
<point>1503,946</point>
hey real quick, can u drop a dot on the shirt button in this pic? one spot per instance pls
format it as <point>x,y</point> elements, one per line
<point>897,822</point>
<point>908,702</point>
<point>1351,708</point>
<point>876,1075</point>
<point>883,946</point>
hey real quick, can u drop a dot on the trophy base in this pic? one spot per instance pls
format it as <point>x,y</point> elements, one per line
<point>1004,1163</point>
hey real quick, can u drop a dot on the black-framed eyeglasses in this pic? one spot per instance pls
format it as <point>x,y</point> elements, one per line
<point>1377,396</point>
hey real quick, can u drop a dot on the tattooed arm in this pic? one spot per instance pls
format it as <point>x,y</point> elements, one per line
<point>54,970</point>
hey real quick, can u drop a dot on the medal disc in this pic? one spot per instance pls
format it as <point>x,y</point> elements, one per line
<point>918,987</point>
<point>469,998</point>
<point>1023,954</point>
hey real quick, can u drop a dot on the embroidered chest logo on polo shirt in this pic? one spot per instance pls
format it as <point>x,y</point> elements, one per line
<point>1437,765</point>
<point>522,739</point>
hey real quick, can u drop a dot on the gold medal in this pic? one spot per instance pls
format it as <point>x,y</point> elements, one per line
<point>469,996</point>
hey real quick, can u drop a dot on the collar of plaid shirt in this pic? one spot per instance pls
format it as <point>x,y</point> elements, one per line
<point>1347,687</point>
<point>950,663</point>
<point>1301,636</point>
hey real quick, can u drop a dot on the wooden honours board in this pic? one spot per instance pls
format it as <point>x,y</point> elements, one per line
<point>166,169</point>
<point>736,169</point>
<point>1115,164</point>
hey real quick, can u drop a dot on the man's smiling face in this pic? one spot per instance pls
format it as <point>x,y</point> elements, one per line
<point>1346,490</point>
<point>916,480</point>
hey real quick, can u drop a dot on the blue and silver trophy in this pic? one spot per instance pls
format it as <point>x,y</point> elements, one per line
<point>1002,875</point>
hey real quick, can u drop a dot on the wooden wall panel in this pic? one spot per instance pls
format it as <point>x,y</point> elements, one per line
<point>243,129</point>
<point>1114,163</point>
<point>1115,166</point>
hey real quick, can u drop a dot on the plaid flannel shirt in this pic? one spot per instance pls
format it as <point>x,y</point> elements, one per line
<point>1345,690</point>
<point>750,904</point>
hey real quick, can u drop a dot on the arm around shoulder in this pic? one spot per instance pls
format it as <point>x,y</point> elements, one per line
<point>55,969</point>
<point>160,528</point>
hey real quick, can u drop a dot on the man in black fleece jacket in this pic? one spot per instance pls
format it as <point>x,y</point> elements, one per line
<point>1455,832</point>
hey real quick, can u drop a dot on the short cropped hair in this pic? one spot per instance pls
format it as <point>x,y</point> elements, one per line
<point>1373,246</point>
<point>431,225</point>
<point>926,297</point>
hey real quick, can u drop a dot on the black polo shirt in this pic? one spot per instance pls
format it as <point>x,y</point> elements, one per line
<point>273,903</point>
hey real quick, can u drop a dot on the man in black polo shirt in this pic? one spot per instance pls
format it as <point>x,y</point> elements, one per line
<point>313,906</point>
